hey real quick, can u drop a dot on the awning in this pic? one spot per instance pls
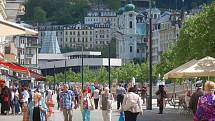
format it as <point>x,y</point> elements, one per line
<point>14,67</point>
<point>38,77</point>
<point>9,28</point>
<point>21,69</point>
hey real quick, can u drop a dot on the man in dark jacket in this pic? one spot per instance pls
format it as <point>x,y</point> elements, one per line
<point>195,97</point>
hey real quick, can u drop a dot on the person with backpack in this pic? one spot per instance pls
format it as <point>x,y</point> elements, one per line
<point>67,97</point>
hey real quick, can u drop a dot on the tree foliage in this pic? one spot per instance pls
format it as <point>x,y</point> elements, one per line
<point>124,73</point>
<point>167,63</point>
<point>58,11</point>
<point>197,38</point>
<point>39,15</point>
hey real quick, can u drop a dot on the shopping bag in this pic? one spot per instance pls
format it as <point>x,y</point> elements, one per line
<point>121,117</point>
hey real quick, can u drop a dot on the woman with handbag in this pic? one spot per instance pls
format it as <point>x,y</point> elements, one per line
<point>161,95</point>
<point>132,105</point>
<point>86,105</point>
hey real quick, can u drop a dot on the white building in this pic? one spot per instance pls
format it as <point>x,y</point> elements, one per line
<point>27,51</point>
<point>101,16</point>
<point>73,61</point>
<point>130,40</point>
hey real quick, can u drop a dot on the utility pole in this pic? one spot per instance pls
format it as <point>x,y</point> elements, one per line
<point>149,105</point>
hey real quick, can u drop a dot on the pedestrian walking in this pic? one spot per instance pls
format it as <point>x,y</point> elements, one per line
<point>16,103</point>
<point>6,98</point>
<point>120,91</point>
<point>195,96</point>
<point>49,103</point>
<point>161,95</point>
<point>37,108</point>
<point>77,96</point>
<point>144,93</point>
<point>86,105</point>
<point>106,100</point>
<point>206,104</point>
<point>66,97</point>
<point>96,97</point>
<point>131,105</point>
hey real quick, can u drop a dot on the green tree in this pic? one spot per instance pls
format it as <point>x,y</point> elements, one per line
<point>197,38</point>
<point>39,15</point>
<point>166,64</point>
<point>102,75</point>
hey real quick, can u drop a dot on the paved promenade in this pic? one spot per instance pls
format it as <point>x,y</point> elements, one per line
<point>170,114</point>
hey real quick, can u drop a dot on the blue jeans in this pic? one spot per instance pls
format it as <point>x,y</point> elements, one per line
<point>86,115</point>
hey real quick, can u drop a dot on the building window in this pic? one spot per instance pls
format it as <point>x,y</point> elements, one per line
<point>131,49</point>
<point>86,33</point>
<point>66,39</point>
<point>70,39</point>
<point>66,33</point>
<point>78,39</point>
<point>73,39</point>
<point>70,33</point>
<point>74,33</point>
<point>91,39</point>
<point>130,24</point>
<point>82,32</point>
<point>86,40</point>
<point>138,50</point>
<point>90,32</point>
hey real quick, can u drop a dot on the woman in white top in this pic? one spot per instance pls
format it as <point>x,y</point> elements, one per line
<point>132,105</point>
<point>96,97</point>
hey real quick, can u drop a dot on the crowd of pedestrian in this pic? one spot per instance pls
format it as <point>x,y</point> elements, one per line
<point>37,105</point>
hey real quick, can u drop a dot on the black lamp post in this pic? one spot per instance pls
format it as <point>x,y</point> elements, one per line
<point>109,66</point>
<point>82,65</point>
<point>54,79</point>
<point>65,71</point>
<point>149,105</point>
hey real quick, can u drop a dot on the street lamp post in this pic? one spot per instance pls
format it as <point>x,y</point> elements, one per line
<point>54,79</point>
<point>82,65</point>
<point>109,65</point>
<point>65,71</point>
<point>149,105</point>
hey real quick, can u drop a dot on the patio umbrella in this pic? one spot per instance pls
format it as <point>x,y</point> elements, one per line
<point>9,29</point>
<point>175,72</point>
<point>205,67</point>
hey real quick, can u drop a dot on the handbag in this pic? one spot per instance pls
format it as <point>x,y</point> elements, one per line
<point>158,97</point>
<point>121,117</point>
<point>91,106</point>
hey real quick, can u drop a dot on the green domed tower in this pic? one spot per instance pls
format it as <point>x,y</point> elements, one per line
<point>130,7</point>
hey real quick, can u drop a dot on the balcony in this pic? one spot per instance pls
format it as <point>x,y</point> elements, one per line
<point>34,45</point>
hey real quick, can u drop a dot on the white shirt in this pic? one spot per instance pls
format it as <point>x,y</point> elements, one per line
<point>25,96</point>
<point>96,94</point>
